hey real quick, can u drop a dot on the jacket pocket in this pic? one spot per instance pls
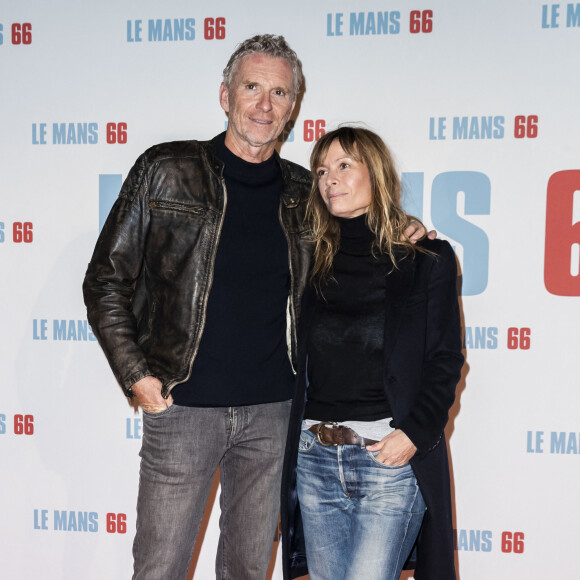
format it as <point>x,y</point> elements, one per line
<point>178,207</point>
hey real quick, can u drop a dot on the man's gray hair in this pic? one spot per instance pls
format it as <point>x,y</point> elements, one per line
<point>270,45</point>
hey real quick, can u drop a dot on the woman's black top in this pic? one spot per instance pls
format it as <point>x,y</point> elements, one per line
<point>345,344</point>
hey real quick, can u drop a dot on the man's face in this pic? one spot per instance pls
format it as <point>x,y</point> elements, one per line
<point>259,102</point>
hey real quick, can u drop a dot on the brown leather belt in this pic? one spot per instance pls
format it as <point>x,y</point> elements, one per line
<point>338,435</point>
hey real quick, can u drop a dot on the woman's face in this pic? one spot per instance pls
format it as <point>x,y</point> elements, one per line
<point>344,183</point>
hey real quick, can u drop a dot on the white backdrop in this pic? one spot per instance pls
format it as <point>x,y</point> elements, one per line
<point>479,102</point>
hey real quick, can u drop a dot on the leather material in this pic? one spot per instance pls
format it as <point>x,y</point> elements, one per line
<point>338,435</point>
<point>147,284</point>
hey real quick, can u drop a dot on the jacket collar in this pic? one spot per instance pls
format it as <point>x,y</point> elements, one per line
<point>295,178</point>
<point>215,163</point>
<point>293,175</point>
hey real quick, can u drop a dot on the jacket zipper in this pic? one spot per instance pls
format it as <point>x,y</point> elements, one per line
<point>293,339</point>
<point>206,298</point>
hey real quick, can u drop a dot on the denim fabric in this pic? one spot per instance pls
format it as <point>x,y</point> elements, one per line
<point>360,517</point>
<point>181,449</point>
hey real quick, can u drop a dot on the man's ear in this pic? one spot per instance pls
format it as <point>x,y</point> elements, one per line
<point>224,98</point>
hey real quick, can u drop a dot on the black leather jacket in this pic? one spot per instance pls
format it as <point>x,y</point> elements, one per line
<point>148,282</point>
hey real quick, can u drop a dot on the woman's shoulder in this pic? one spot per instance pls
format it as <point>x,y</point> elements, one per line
<point>435,248</point>
<point>438,252</point>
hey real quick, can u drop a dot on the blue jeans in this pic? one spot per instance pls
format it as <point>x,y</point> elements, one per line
<point>360,517</point>
<point>181,449</point>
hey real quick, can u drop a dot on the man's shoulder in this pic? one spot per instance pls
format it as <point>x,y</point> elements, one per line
<point>175,150</point>
<point>167,157</point>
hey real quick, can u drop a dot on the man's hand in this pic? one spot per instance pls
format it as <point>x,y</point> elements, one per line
<point>148,395</point>
<point>395,449</point>
<point>416,231</point>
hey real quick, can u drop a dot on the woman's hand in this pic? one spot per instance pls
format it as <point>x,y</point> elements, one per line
<point>395,449</point>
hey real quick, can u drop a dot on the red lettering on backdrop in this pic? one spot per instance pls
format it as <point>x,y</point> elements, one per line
<point>562,256</point>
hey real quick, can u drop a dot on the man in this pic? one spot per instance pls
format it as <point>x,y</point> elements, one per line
<point>194,292</point>
<point>190,303</point>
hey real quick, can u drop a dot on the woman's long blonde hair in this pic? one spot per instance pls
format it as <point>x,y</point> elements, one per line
<point>385,216</point>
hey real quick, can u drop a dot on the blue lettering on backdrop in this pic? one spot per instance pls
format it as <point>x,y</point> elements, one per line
<point>190,29</point>
<point>169,30</point>
<point>155,29</point>
<point>337,31</point>
<point>369,23</point>
<point>2,232</point>
<point>58,133</point>
<point>395,18</point>
<point>75,133</point>
<point>72,330</point>
<point>134,35</point>
<point>1,34</point>
<point>60,520</point>
<point>437,131</point>
<point>2,424</point>
<point>39,134</point>
<point>444,192</point>
<point>39,329</point>
<point>480,337</point>
<point>554,15</point>
<point>564,443</point>
<point>573,15</point>
<point>535,442</point>
<point>357,23</point>
<point>473,540</point>
<point>561,442</point>
<point>40,519</point>
<point>485,127</point>
<point>133,428</point>
<point>109,187</point>
<point>477,192</point>
<point>70,521</point>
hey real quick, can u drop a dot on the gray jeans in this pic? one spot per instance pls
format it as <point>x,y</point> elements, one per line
<point>181,449</point>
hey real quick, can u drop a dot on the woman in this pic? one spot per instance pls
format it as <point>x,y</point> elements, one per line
<point>366,474</point>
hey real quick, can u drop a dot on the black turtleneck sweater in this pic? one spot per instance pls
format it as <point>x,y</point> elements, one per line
<point>243,356</point>
<point>345,344</point>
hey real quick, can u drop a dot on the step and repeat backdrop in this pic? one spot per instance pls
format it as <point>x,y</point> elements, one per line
<point>479,103</point>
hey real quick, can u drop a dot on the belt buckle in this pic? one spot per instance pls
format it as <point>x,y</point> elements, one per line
<point>319,433</point>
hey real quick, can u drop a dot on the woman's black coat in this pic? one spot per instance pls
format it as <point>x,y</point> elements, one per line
<point>422,365</point>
